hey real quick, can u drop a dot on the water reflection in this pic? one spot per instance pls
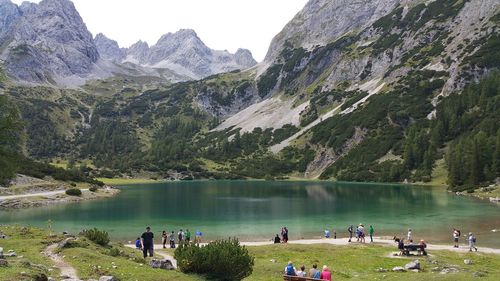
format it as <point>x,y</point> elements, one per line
<point>256,210</point>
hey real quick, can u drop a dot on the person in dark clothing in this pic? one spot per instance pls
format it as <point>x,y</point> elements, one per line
<point>164,238</point>
<point>147,242</point>
<point>285,235</point>
<point>350,228</point>
<point>277,239</point>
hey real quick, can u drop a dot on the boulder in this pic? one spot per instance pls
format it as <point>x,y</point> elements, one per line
<point>413,265</point>
<point>162,264</point>
<point>66,243</point>
<point>3,263</point>
<point>468,262</point>
<point>11,254</point>
<point>107,278</point>
<point>398,269</point>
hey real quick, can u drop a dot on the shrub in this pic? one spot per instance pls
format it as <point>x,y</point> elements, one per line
<point>219,260</point>
<point>114,252</point>
<point>93,188</point>
<point>97,236</point>
<point>74,192</point>
<point>73,184</point>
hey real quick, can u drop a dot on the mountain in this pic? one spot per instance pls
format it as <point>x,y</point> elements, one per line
<point>109,49</point>
<point>46,42</point>
<point>388,91</point>
<point>185,53</point>
<point>49,43</point>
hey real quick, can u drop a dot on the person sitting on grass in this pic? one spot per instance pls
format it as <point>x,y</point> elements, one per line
<point>326,274</point>
<point>138,243</point>
<point>277,239</point>
<point>290,270</point>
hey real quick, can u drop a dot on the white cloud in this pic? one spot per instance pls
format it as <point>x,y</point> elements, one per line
<point>221,24</point>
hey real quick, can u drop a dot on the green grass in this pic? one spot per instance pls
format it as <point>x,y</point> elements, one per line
<point>439,174</point>
<point>353,262</point>
<point>27,244</point>
<point>359,262</point>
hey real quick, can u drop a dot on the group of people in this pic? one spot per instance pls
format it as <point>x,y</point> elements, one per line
<point>284,236</point>
<point>471,239</point>
<point>146,241</point>
<point>360,233</point>
<point>324,274</point>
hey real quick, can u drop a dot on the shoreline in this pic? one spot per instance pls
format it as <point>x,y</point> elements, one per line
<point>464,248</point>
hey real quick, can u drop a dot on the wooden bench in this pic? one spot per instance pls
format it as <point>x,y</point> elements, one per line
<point>412,248</point>
<point>297,278</point>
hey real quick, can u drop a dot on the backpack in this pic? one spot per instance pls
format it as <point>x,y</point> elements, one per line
<point>474,239</point>
<point>290,271</point>
<point>317,275</point>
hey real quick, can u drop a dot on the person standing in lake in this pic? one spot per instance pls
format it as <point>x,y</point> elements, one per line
<point>371,233</point>
<point>350,228</point>
<point>147,242</point>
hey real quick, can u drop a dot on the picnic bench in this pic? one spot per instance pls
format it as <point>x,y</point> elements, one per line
<point>297,278</point>
<point>414,248</point>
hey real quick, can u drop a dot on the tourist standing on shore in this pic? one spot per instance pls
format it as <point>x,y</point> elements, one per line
<point>172,240</point>
<point>350,228</point>
<point>327,233</point>
<point>472,242</point>
<point>164,238</point>
<point>362,233</point>
<point>409,236</point>
<point>198,236</point>
<point>372,230</point>
<point>456,236</point>
<point>147,242</point>
<point>285,235</point>
<point>180,236</point>
<point>188,235</point>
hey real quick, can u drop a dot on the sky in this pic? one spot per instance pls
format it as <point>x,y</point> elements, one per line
<point>221,24</point>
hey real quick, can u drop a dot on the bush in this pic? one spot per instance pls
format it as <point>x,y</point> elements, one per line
<point>114,252</point>
<point>97,236</point>
<point>219,260</point>
<point>74,192</point>
<point>93,189</point>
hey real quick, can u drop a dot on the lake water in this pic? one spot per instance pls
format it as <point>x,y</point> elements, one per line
<point>256,210</point>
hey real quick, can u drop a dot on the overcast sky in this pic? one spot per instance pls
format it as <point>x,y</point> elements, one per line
<point>221,24</point>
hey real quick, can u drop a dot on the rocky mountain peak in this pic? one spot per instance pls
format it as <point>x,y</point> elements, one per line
<point>322,21</point>
<point>109,49</point>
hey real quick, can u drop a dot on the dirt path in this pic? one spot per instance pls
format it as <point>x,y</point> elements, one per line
<point>378,241</point>
<point>42,194</point>
<point>67,270</point>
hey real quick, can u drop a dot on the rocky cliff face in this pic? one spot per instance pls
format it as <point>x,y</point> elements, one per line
<point>109,49</point>
<point>48,42</point>
<point>322,21</point>
<point>185,53</point>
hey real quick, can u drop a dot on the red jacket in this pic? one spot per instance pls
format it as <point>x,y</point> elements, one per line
<point>326,275</point>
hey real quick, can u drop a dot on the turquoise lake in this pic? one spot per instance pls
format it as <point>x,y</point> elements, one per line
<point>256,210</point>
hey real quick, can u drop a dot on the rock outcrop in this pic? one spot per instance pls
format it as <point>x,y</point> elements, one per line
<point>109,49</point>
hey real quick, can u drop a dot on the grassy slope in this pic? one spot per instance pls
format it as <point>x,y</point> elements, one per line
<point>347,262</point>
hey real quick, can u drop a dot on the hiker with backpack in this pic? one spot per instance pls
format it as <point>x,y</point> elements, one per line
<point>290,270</point>
<point>472,242</point>
<point>456,236</point>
